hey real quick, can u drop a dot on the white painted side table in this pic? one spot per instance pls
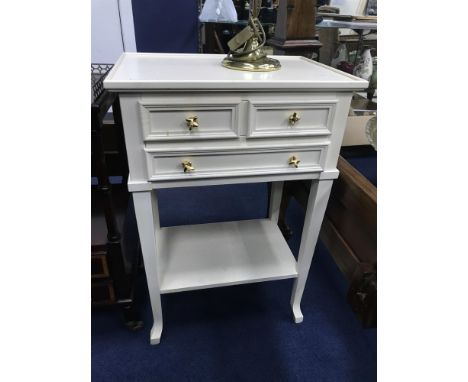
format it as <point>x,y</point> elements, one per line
<point>188,121</point>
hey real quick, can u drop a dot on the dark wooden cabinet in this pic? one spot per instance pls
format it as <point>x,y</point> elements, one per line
<point>295,33</point>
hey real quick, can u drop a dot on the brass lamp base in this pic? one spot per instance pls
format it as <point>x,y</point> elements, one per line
<point>245,48</point>
<point>264,64</point>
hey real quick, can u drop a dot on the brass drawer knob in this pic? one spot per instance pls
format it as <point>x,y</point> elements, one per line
<point>294,118</point>
<point>187,165</point>
<point>192,122</point>
<point>294,161</point>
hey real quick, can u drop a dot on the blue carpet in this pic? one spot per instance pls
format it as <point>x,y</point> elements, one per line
<point>238,333</point>
<point>364,159</point>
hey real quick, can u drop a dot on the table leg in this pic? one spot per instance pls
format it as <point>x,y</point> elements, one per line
<point>147,216</point>
<point>316,206</point>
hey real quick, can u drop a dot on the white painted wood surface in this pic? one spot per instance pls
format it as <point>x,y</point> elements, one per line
<point>166,167</point>
<point>316,206</point>
<point>171,71</point>
<point>165,119</point>
<point>271,118</point>
<point>243,137</point>
<point>220,254</point>
<point>147,216</point>
<point>147,186</point>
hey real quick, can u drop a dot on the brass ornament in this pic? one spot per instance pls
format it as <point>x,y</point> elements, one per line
<point>246,48</point>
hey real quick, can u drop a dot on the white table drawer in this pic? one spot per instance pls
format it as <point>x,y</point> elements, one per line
<point>290,118</point>
<point>167,119</point>
<point>230,164</point>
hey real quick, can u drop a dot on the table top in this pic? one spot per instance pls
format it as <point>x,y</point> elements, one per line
<point>169,71</point>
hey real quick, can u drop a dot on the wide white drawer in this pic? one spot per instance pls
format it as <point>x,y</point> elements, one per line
<point>270,118</point>
<point>181,118</point>
<point>164,166</point>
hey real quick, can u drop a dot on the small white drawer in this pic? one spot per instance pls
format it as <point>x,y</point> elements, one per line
<point>281,118</point>
<point>187,119</point>
<point>164,166</point>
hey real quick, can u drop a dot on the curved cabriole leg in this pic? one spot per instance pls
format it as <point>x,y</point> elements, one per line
<point>146,212</point>
<point>297,312</point>
<point>156,330</point>
<point>316,206</point>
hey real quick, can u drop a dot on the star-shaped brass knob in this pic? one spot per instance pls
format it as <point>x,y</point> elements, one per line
<point>192,122</point>
<point>294,118</point>
<point>187,165</point>
<point>294,161</point>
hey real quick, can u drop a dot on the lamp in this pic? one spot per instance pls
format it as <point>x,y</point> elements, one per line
<point>246,47</point>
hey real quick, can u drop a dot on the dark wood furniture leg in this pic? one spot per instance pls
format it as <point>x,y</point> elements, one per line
<point>120,285</point>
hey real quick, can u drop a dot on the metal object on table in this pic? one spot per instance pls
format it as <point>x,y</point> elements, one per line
<point>246,48</point>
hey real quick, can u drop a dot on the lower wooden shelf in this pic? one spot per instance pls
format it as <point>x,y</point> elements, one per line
<point>220,254</point>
